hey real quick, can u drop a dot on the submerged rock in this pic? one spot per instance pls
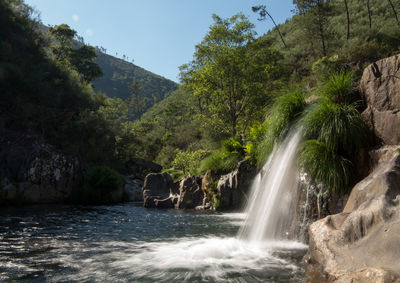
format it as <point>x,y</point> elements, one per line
<point>362,243</point>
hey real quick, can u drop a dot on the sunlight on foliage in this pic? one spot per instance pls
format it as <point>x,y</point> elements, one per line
<point>285,110</point>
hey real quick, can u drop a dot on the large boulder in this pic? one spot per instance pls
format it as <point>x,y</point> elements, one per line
<point>133,188</point>
<point>157,186</point>
<point>34,172</point>
<point>191,194</point>
<point>233,188</point>
<point>362,243</point>
<point>380,87</point>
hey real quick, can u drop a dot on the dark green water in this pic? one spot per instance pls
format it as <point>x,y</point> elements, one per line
<point>127,243</point>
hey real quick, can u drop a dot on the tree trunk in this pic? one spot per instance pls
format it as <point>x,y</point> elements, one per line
<point>283,41</point>
<point>369,15</point>
<point>394,12</point>
<point>348,20</point>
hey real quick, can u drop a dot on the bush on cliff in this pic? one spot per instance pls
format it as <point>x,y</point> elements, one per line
<point>334,132</point>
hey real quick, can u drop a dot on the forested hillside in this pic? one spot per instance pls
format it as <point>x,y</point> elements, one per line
<point>129,82</point>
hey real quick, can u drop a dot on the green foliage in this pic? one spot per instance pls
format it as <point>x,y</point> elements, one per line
<point>216,203</point>
<point>221,161</point>
<point>325,166</point>
<point>338,126</point>
<point>46,96</point>
<point>101,183</point>
<point>189,161</point>
<point>285,110</point>
<point>81,59</point>
<point>231,73</point>
<point>339,87</point>
<point>335,133</point>
<point>224,159</point>
<point>256,133</point>
<point>324,67</point>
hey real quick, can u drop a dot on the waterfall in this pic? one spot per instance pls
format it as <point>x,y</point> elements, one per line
<point>273,195</point>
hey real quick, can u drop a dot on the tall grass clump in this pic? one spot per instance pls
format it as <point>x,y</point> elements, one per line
<point>325,166</point>
<point>285,110</point>
<point>338,126</point>
<point>334,131</point>
<point>338,87</point>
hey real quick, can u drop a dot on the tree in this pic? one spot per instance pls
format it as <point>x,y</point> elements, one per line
<point>315,19</point>
<point>394,12</point>
<point>369,15</point>
<point>262,10</point>
<point>81,59</point>
<point>64,35</point>
<point>230,74</point>
<point>348,20</point>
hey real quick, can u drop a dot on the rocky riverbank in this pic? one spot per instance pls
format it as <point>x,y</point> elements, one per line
<point>361,244</point>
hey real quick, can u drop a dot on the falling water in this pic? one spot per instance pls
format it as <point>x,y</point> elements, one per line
<point>272,199</point>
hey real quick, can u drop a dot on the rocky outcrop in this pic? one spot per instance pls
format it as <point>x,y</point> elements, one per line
<point>157,189</point>
<point>133,188</point>
<point>233,187</point>
<point>33,172</point>
<point>380,86</point>
<point>362,243</point>
<point>191,194</point>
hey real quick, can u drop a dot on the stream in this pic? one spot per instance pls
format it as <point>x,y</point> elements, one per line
<point>127,243</point>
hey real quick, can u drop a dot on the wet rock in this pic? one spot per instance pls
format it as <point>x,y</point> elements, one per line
<point>233,187</point>
<point>191,194</point>
<point>362,242</point>
<point>157,186</point>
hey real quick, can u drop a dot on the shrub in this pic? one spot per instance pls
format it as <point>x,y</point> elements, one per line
<point>323,165</point>
<point>325,66</point>
<point>100,184</point>
<point>189,161</point>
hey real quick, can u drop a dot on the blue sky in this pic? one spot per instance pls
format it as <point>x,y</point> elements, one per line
<point>159,35</point>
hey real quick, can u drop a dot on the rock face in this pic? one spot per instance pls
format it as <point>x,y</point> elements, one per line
<point>233,187</point>
<point>362,243</point>
<point>133,188</point>
<point>380,86</point>
<point>191,194</point>
<point>157,188</point>
<point>33,172</point>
